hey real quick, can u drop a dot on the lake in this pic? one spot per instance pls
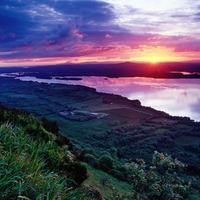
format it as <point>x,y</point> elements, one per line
<point>178,97</point>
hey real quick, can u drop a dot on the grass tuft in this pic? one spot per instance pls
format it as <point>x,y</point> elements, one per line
<point>24,170</point>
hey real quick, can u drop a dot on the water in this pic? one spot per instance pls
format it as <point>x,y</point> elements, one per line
<point>178,97</point>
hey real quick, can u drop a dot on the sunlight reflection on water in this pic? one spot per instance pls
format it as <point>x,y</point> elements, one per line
<point>178,97</point>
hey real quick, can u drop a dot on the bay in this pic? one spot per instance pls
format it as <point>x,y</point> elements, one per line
<point>177,97</point>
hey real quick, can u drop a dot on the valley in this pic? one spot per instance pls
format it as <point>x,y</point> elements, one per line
<point>100,124</point>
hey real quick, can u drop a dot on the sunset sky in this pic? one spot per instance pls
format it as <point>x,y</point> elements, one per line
<point>75,31</point>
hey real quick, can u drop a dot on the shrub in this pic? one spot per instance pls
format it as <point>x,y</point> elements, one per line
<point>89,150</point>
<point>93,193</point>
<point>117,174</point>
<point>106,163</point>
<point>159,181</point>
<point>90,159</point>
<point>50,126</point>
<point>78,172</point>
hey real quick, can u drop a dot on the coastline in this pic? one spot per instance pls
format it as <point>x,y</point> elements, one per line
<point>124,124</point>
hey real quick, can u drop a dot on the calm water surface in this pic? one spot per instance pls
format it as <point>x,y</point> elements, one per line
<point>178,97</point>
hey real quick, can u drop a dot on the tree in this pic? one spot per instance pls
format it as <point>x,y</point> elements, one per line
<point>106,163</point>
<point>161,180</point>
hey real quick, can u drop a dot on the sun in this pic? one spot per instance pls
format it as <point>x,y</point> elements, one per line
<point>153,60</point>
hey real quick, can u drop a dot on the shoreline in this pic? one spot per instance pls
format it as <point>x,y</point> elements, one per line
<point>109,85</point>
<point>137,102</point>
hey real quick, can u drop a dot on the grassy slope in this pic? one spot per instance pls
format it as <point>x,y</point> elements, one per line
<point>113,188</point>
<point>23,168</point>
<point>30,164</point>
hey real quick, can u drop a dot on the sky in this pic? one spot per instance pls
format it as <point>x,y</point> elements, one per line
<point>43,32</point>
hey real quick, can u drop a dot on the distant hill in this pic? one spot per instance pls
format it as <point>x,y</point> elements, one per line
<point>126,69</point>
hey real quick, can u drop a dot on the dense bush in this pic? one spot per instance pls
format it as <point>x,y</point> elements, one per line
<point>106,163</point>
<point>90,159</point>
<point>117,174</point>
<point>86,151</point>
<point>161,180</point>
<point>49,125</point>
<point>78,172</point>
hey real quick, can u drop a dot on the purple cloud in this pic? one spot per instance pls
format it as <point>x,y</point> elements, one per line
<point>65,28</point>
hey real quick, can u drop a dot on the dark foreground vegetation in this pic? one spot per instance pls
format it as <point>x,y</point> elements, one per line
<point>120,142</point>
<point>36,163</point>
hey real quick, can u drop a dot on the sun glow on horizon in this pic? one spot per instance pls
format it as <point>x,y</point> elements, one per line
<point>158,54</point>
<point>154,60</point>
<point>147,54</point>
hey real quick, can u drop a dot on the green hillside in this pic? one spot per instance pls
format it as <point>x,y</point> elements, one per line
<point>108,132</point>
<point>37,162</point>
